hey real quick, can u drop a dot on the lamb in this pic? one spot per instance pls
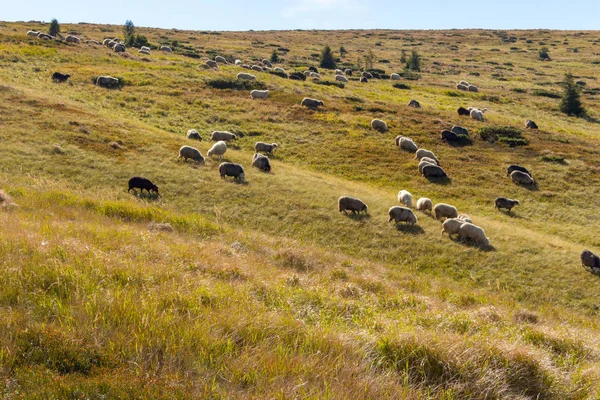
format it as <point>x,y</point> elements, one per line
<point>472,232</point>
<point>218,149</point>
<point>212,64</point>
<point>231,169</point>
<point>402,214</point>
<point>473,88</point>
<point>222,136</point>
<point>107,81</point>
<point>514,167</point>
<point>477,114</point>
<point>395,77</point>
<point>590,261</point>
<point>433,171</point>
<point>346,203</point>
<point>459,130</point>
<point>449,136</point>
<point>443,210</point>
<point>531,124</point>
<point>166,49</point>
<point>193,134</point>
<point>404,197</point>
<point>465,218</point>
<point>72,39</point>
<point>341,78</point>
<point>408,145</point>
<point>424,204</point>
<point>137,182</point>
<point>379,125</point>
<point>451,226</point>
<point>508,204</point>
<point>221,60</point>
<point>246,76</point>
<point>311,103</point>
<point>422,165</point>
<point>463,111</point>
<point>32,33</point>
<point>259,94</point>
<point>521,177</point>
<point>58,77</point>
<point>186,152</point>
<point>261,162</point>
<point>265,147</point>
<point>426,153</point>
<point>414,104</point>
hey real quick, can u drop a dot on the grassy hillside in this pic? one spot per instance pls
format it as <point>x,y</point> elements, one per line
<point>263,289</point>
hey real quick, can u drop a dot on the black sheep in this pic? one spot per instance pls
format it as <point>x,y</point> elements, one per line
<point>508,204</point>
<point>138,182</point>
<point>463,111</point>
<point>514,167</point>
<point>58,77</point>
<point>231,169</point>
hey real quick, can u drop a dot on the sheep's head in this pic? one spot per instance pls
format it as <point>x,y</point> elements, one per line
<point>274,145</point>
<point>517,203</point>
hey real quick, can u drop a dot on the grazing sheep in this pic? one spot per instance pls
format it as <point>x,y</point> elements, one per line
<point>146,52</point>
<point>218,149</point>
<point>315,75</point>
<point>107,82</point>
<point>465,218</point>
<point>404,197</point>
<point>261,162</point>
<point>341,78</point>
<point>426,153</point>
<point>465,83</point>
<point>186,152</point>
<point>259,94</point>
<point>166,49</point>
<point>531,124</point>
<point>265,147</point>
<point>395,77</point>
<point>429,160</point>
<point>397,140</point>
<point>119,48</point>
<point>363,79</point>
<point>231,169</point>
<point>459,130</point>
<point>32,33</point>
<point>433,171</point>
<point>137,182</point>
<point>514,167</point>
<point>267,63</point>
<point>58,77</point>
<point>112,44</point>
<point>193,134</point>
<point>106,42</point>
<point>422,165</point>
<point>212,64</point>
<point>449,136</point>
<point>279,69</point>
<point>477,114</point>
<point>443,210</point>
<point>451,226</point>
<point>45,36</point>
<point>472,232</point>
<point>246,66</point>
<point>221,60</point>
<point>246,76</point>
<point>222,136</point>
<point>339,72</point>
<point>379,125</point>
<point>402,214</point>
<point>472,88</point>
<point>367,75</point>
<point>92,42</point>
<point>307,73</point>
<point>521,177</point>
<point>590,261</point>
<point>311,103</point>
<point>463,111</point>
<point>257,68</point>
<point>348,72</point>
<point>72,39</point>
<point>145,48</point>
<point>508,204</point>
<point>424,204</point>
<point>346,203</point>
<point>313,69</point>
<point>462,87</point>
<point>238,62</point>
<point>414,104</point>
<point>408,145</point>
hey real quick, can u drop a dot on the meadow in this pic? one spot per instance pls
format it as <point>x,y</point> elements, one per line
<point>264,290</point>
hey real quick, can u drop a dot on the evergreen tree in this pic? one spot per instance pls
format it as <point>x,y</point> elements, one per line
<point>369,60</point>
<point>327,60</point>
<point>129,32</point>
<point>54,27</point>
<point>414,63</point>
<point>274,57</point>
<point>403,57</point>
<point>571,103</point>
<point>543,54</point>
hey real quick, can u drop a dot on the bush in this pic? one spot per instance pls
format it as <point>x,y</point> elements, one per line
<point>279,73</point>
<point>543,54</point>
<point>519,90</point>
<point>414,62</point>
<point>503,134</point>
<point>191,54</point>
<point>546,93</point>
<point>331,83</point>
<point>399,85</point>
<point>454,93</point>
<point>409,75</point>
<point>235,84</point>
<point>299,75</point>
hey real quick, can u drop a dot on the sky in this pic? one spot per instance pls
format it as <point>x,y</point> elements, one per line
<point>242,15</point>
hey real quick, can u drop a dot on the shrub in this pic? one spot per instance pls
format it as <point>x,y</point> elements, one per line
<point>409,75</point>
<point>503,134</point>
<point>399,85</point>
<point>235,84</point>
<point>554,158</point>
<point>274,57</point>
<point>327,60</point>
<point>519,90</point>
<point>299,75</point>
<point>331,83</point>
<point>54,27</point>
<point>191,54</point>
<point>546,93</point>
<point>414,62</point>
<point>571,103</point>
<point>543,54</point>
<point>128,32</point>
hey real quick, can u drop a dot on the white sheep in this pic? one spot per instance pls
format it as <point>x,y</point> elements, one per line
<point>408,144</point>
<point>238,62</point>
<point>395,77</point>
<point>315,75</point>
<point>405,198</point>
<point>424,204</point>
<point>477,114</point>
<point>32,33</point>
<point>402,214</point>
<point>222,136</point>
<point>339,72</point>
<point>221,60</point>
<point>521,177</point>
<point>166,49</point>
<point>246,76</point>
<point>465,218</point>
<point>397,140</point>
<point>473,232</point>
<point>259,94</point>
<point>186,152</point>
<point>218,149</point>
<point>429,160</point>
<point>379,125</point>
<point>443,210</point>
<point>426,153</point>
<point>341,78</point>
<point>451,226</point>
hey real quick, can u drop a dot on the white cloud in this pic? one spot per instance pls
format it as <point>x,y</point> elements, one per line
<point>307,6</point>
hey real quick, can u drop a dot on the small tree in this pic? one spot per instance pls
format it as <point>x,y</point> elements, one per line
<point>274,57</point>
<point>54,27</point>
<point>358,64</point>
<point>369,60</point>
<point>543,54</point>
<point>342,51</point>
<point>571,103</point>
<point>327,59</point>
<point>403,57</point>
<point>414,62</point>
<point>129,32</point>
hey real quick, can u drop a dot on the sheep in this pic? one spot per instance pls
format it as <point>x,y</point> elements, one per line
<point>451,226</point>
<point>521,177</point>
<point>473,88</point>
<point>265,147</point>
<point>307,73</point>
<point>259,94</point>
<point>137,182</point>
<point>346,203</point>
<point>462,87</point>
<point>58,77</point>
<point>186,152</point>
<point>218,149</point>
<point>463,111</point>
<point>367,75</point>
<point>45,36</point>
<point>402,214</point>
<point>142,51</point>
<point>424,204</point>
<point>90,41</point>
<point>221,60</point>
<point>449,136</point>
<point>514,167</point>
<point>107,81</point>
<point>363,79</point>
<point>590,261</point>
<point>459,130</point>
<point>414,104</point>
<point>311,103</point>
<point>315,75</point>
<point>429,160</point>
<point>465,83</point>
<point>339,72</point>
<point>529,124</point>
<point>472,232</point>
<point>112,44</point>
<point>249,77</point>
<point>379,125</point>
<point>231,169</point>
<point>397,140</point>
<point>348,72</point>
<point>508,204</point>
<point>212,64</point>
<point>238,62</point>
<point>477,114</point>
<point>32,33</point>
<point>267,63</point>
<point>72,39</point>
<point>395,77</point>
<point>433,171</point>
<point>341,78</point>
<point>465,218</point>
<point>193,134</point>
<point>313,69</point>
<point>422,165</point>
<point>261,162</point>
<point>166,49</point>
<point>222,136</point>
<point>257,68</point>
<point>443,210</point>
<point>426,153</point>
<point>404,197</point>
<point>106,42</point>
<point>408,145</point>
<point>119,48</point>
<point>145,48</point>
<point>279,69</point>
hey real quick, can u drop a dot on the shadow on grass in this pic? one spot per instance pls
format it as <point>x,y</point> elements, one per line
<point>148,196</point>
<point>359,217</point>
<point>440,181</point>
<point>511,214</point>
<point>470,243</point>
<point>532,187</point>
<point>411,229</point>
<point>459,143</point>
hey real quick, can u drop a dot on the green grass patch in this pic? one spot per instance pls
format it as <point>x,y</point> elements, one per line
<point>503,134</point>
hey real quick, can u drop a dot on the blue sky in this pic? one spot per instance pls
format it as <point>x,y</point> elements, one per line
<point>315,14</point>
